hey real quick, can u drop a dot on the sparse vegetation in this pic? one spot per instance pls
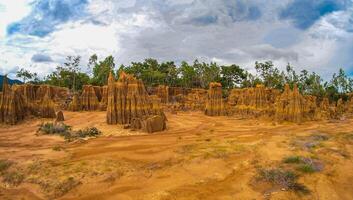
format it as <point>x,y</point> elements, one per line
<point>4,165</point>
<point>305,165</point>
<point>306,168</point>
<point>57,148</point>
<point>311,142</point>
<point>284,178</point>
<point>55,129</point>
<point>65,186</point>
<point>88,132</point>
<point>292,159</point>
<point>212,149</point>
<point>13,178</point>
<point>65,131</point>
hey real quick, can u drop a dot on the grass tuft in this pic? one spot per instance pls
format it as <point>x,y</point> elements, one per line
<point>283,178</point>
<point>4,165</point>
<point>65,131</point>
<point>292,159</point>
<point>13,178</point>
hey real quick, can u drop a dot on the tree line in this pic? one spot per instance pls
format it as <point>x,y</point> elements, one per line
<point>193,75</point>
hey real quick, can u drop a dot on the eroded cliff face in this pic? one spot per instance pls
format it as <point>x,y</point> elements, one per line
<point>47,107</point>
<point>12,105</point>
<point>89,98</point>
<point>129,102</point>
<point>75,104</point>
<point>248,102</point>
<point>290,105</point>
<point>214,103</point>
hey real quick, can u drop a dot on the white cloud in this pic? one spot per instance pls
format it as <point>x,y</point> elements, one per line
<point>12,11</point>
<point>132,30</point>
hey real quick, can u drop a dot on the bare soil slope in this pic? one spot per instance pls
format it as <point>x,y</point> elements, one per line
<point>198,157</point>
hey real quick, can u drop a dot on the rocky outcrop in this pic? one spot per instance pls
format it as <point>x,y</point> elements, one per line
<point>89,99</point>
<point>60,117</point>
<point>214,102</point>
<point>128,101</point>
<point>290,105</point>
<point>47,107</point>
<point>104,101</point>
<point>248,102</point>
<point>12,105</point>
<point>196,99</point>
<point>75,104</point>
<point>163,93</point>
<point>153,124</point>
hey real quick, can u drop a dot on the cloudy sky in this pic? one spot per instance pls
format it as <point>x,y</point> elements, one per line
<point>316,35</point>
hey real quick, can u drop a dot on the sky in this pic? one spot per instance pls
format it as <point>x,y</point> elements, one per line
<point>316,35</point>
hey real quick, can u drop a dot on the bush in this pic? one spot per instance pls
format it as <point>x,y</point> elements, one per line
<point>4,165</point>
<point>55,129</point>
<point>66,132</point>
<point>307,165</point>
<point>283,178</point>
<point>306,168</point>
<point>88,132</point>
<point>65,186</point>
<point>292,159</point>
<point>13,178</point>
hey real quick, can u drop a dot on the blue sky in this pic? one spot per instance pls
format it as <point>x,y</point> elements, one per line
<point>316,35</point>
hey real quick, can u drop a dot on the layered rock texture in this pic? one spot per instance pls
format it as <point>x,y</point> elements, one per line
<point>129,102</point>
<point>89,98</point>
<point>12,105</point>
<point>75,104</point>
<point>256,101</point>
<point>60,117</point>
<point>290,105</point>
<point>214,102</point>
<point>47,107</point>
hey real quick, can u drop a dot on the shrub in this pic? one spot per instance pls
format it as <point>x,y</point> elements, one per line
<point>306,168</point>
<point>292,159</point>
<point>57,148</point>
<point>13,178</point>
<point>4,165</point>
<point>66,132</point>
<point>88,132</point>
<point>65,186</point>
<point>283,178</point>
<point>307,165</point>
<point>55,128</point>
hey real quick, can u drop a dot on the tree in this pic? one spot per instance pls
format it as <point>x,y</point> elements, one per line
<point>232,76</point>
<point>339,86</point>
<point>188,75</point>
<point>92,62</point>
<point>68,75</point>
<point>101,70</point>
<point>270,75</point>
<point>72,64</point>
<point>24,74</point>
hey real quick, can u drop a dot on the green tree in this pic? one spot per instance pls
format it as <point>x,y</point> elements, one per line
<point>270,75</point>
<point>232,76</point>
<point>24,74</point>
<point>72,65</point>
<point>188,75</point>
<point>101,70</point>
<point>68,75</point>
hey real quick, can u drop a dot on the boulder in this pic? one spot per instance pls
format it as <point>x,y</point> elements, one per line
<point>60,116</point>
<point>154,124</point>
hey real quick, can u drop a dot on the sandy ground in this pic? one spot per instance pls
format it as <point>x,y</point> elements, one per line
<point>197,157</point>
